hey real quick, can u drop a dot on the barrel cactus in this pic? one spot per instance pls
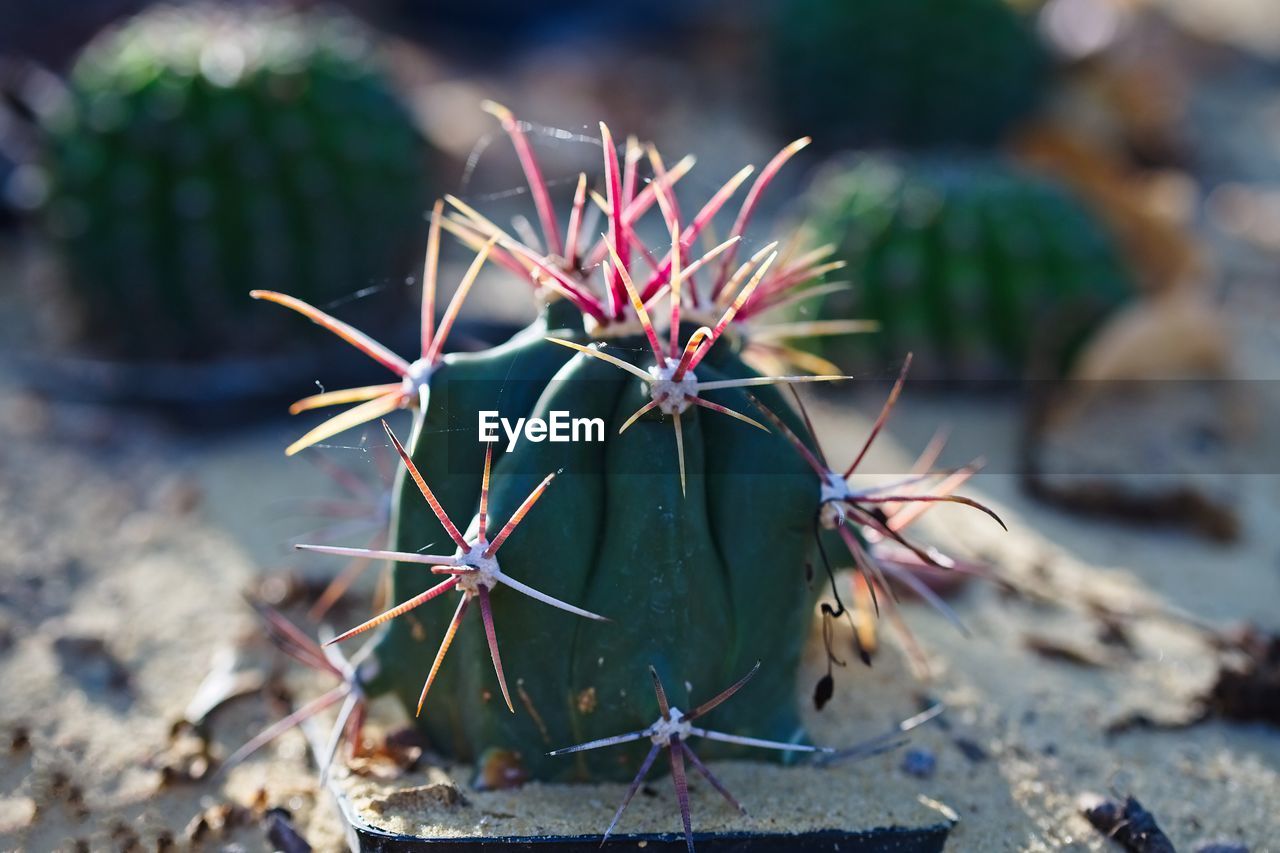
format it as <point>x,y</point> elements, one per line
<point>206,147</point>
<point>980,270</point>
<point>905,72</point>
<point>679,537</point>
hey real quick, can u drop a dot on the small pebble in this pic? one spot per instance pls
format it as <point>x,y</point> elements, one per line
<point>89,661</point>
<point>1126,823</point>
<point>971,750</point>
<point>282,834</point>
<point>919,763</point>
<point>500,769</point>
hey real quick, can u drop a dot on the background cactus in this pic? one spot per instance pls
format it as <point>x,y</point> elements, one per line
<point>206,149</point>
<point>909,72</point>
<point>975,267</point>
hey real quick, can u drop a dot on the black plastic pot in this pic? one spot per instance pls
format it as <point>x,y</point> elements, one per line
<point>882,840</point>
<point>365,838</point>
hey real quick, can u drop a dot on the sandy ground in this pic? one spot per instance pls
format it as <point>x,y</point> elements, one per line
<point>117,592</point>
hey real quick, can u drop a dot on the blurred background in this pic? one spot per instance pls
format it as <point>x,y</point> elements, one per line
<point>1069,211</point>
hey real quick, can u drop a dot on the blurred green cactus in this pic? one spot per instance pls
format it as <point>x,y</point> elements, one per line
<point>977,268</point>
<point>904,72</point>
<point>207,149</point>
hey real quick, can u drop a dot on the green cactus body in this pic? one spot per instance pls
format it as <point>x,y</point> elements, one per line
<point>204,150</point>
<point>701,585</point>
<point>979,270</point>
<point>904,72</point>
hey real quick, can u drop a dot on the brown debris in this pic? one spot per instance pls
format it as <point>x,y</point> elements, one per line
<point>60,787</point>
<point>971,749</point>
<point>1181,506</point>
<point>187,758</point>
<point>90,662</point>
<point>125,838</point>
<point>1055,650</point>
<point>282,834</point>
<point>1248,686</point>
<point>500,768</point>
<point>586,701</point>
<point>527,701</point>
<point>1138,721</point>
<point>422,797</point>
<point>215,821</point>
<point>1113,631</point>
<point>1128,824</point>
<point>397,754</point>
